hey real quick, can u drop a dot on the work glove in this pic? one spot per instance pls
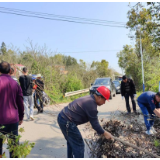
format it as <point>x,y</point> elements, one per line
<point>122,97</point>
<point>135,95</point>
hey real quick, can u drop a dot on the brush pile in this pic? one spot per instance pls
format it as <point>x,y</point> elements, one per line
<point>128,130</point>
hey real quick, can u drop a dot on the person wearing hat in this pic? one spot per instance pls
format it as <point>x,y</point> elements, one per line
<point>149,105</point>
<point>34,90</point>
<point>39,93</point>
<point>80,111</point>
<point>128,90</point>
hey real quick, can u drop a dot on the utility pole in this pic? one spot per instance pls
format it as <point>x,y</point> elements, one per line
<point>142,61</point>
<point>139,28</point>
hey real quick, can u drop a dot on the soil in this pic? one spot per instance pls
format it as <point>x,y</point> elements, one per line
<point>129,128</point>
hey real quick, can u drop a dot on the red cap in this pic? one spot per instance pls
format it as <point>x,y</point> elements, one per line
<point>104,91</point>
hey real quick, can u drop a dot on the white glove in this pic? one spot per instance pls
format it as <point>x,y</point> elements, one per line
<point>122,97</point>
<point>135,95</point>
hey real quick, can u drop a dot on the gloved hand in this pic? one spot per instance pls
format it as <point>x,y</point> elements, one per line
<point>122,97</point>
<point>135,95</point>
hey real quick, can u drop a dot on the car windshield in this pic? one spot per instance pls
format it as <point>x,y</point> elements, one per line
<point>116,83</point>
<point>101,82</point>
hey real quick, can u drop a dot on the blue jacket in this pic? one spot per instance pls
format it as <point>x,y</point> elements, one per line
<point>148,100</point>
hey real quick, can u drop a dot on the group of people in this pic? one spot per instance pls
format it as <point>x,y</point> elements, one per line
<point>84,110</point>
<point>14,98</point>
<point>32,88</point>
<point>147,101</point>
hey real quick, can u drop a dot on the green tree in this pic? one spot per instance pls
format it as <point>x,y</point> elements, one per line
<point>58,59</point>
<point>101,68</point>
<point>82,64</point>
<point>130,57</point>
<point>69,61</point>
<point>3,49</point>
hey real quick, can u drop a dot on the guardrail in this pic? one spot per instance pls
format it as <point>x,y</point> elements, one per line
<point>68,94</point>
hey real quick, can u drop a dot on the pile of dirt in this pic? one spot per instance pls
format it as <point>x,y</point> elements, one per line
<point>132,132</point>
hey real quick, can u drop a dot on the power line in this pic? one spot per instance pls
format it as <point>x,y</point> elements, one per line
<point>60,19</point>
<point>91,51</point>
<point>62,16</point>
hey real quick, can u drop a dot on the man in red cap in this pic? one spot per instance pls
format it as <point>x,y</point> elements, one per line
<point>78,112</point>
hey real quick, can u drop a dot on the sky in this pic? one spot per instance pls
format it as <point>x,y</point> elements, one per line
<point>65,37</point>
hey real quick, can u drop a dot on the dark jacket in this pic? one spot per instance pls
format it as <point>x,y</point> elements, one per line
<point>40,85</point>
<point>132,87</point>
<point>26,84</point>
<point>83,110</point>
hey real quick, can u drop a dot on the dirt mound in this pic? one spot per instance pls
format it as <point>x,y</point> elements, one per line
<point>132,132</point>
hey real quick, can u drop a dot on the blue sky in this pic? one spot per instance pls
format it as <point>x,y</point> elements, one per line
<point>69,37</point>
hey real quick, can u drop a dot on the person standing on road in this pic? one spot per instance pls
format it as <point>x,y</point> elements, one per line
<point>11,73</point>
<point>39,93</point>
<point>149,105</point>
<point>128,90</point>
<point>78,112</point>
<point>11,108</point>
<point>34,92</point>
<point>26,84</point>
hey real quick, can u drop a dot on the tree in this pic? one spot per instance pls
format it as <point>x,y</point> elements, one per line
<point>82,64</point>
<point>101,68</point>
<point>148,18</point>
<point>58,59</point>
<point>3,49</point>
<point>69,61</point>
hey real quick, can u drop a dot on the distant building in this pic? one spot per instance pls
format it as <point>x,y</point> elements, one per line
<point>17,69</point>
<point>61,69</point>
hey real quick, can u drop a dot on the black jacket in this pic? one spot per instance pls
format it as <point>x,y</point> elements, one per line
<point>132,87</point>
<point>40,85</point>
<point>26,84</point>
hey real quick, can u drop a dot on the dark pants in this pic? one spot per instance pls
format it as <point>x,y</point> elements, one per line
<point>75,144</point>
<point>12,131</point>
<point>40,98</point>
<point>127,95</point>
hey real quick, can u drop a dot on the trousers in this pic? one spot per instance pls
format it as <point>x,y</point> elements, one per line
<point>12,131</point>
<point>127,95</point>
<point>75,143</point>
<point>148,115</point>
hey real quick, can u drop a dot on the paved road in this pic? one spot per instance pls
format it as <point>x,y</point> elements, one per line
<point>45,132</point>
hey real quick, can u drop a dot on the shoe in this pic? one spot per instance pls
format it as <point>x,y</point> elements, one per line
<point>135,112</point>
<point>31,118</point>
<point>149,132</point>
<point>153,130</point>
<point>38,111</point>
<point>41,111</point>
